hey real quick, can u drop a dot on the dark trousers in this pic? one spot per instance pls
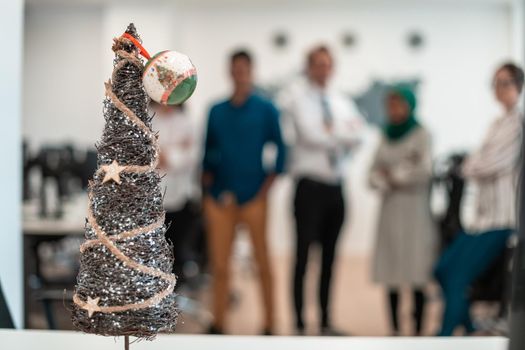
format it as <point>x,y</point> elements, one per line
<point>182,232</point>
<point>465,260</point>
<point>319,214</point>
<point>418,313</point>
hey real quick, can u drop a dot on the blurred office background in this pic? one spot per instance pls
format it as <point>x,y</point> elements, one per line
<point>450,49</point>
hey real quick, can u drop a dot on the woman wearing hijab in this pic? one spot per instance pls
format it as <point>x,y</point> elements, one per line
<point>494,169</point>
<point>401,172</point>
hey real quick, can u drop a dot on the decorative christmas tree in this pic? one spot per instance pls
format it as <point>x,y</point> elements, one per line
<point>125,286</point>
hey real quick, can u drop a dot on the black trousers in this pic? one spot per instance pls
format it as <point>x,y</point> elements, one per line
<point>319,214</point>
<point>182,232</point>
<point>418,313</point>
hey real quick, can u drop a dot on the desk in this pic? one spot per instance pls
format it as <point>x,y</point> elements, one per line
<point>37,231</point>
<point>64,340</point>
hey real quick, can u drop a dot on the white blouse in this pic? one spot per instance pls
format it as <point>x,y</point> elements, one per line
<point>494,169</point>
<point>180,143</point>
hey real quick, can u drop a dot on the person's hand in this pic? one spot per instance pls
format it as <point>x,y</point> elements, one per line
<point>265,188</point>
<point>186,143</point>
<point>387,175</point>
<point>414,157</point>
<point>163,163</point>
<point>207,180</point>
<point>354,124</point>
<point>385,172</point>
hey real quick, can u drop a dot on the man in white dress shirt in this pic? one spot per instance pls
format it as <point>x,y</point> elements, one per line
<point>323,128</point>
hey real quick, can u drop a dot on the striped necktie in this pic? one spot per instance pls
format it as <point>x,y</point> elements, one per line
<point>328,120</point>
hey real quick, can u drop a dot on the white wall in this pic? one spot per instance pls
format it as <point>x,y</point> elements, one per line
<point>157,26</point>
<point>11,26</point>
<point>63,81</point>
<point>518,29</point>
<point>464,43</point>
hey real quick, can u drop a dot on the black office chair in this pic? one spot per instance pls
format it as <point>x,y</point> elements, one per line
<point>447,174</point>
<point>6,321</point>
<point>70,169</point>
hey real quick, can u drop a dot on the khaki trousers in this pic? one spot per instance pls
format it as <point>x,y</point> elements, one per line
<point>222,220</point>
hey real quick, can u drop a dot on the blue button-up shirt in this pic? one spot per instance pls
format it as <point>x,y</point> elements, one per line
<point>235,140</point>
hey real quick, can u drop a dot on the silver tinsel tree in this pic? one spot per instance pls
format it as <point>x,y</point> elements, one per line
<point>125,286</point>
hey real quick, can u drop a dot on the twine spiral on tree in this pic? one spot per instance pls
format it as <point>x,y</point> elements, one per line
<point>125,286</point>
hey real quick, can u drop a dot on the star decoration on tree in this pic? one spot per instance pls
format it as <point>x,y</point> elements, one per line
<point>91,306</point>
<point>112,172</point>
<point>115,231</point>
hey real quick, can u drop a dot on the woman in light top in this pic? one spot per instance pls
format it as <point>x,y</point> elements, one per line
<point>494,169</point>
<point>401,172</point>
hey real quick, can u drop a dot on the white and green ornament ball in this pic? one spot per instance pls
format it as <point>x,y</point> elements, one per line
<point>169,78</point>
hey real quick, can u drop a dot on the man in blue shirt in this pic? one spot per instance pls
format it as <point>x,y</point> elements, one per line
<point>236,182</point>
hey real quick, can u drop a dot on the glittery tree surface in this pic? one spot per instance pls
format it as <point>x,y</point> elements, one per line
<point>125,285</point>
